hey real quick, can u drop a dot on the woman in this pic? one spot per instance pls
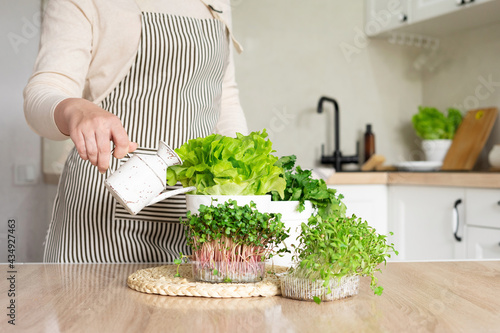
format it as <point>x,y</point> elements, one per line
<point>130,73</point>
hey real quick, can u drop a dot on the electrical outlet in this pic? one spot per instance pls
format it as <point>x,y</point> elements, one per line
<point>25,174</point>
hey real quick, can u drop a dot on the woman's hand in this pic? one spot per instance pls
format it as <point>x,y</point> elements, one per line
<point>92,129</point>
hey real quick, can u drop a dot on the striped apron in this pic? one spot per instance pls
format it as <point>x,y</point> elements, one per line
<point>171,93</point>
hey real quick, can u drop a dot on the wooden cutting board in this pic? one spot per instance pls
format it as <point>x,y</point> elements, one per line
<point>469,139</point>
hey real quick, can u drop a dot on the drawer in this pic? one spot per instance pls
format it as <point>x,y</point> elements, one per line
<point>482,207</point>
<point>483,243</point>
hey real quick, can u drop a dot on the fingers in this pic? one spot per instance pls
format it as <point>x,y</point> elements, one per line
<point>79,141</point>
<point>92,129</point>
<point>103,152</point>
<point>121,141</point>
<point>91,146</point>
<point>132,147</point>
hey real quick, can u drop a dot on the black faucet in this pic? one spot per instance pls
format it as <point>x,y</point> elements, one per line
<point>336,159</point>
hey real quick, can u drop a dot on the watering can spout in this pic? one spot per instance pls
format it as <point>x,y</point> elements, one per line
<point>171,193</point>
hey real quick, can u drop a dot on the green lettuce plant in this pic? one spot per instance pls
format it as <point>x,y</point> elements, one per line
<point>335,247</point>
<point>431,124</point>
<point>221,165</point>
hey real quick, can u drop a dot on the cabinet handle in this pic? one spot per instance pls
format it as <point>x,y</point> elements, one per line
<point>498,203</point>
<point>456,221</point>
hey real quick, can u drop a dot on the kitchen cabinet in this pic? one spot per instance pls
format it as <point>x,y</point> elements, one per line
<point>433,18</point>
<point>483,208</point>
<point>423,221</point>
<point>483,243</point>
<point>425,210</point>
<point>385,15</point>
<point>483,223</point>
<point>368,202</point>
<point>426,9</point>
<point>442,223</point>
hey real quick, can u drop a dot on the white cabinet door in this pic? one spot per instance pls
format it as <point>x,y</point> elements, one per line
<point>384,15</point>
<point>368,202</point>
<point>482,207</point>
<point>422,217</point>
<point>426,9</point>
<point>483,243</point>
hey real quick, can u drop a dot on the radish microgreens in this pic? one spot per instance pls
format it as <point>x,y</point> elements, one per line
<point>178,261</point>
<point>231,234</point>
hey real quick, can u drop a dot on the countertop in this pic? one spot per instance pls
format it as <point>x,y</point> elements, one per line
<point>428,297</point>
<point>442,178</point>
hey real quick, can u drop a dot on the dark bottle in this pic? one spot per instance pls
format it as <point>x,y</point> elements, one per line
<point>369,142</point>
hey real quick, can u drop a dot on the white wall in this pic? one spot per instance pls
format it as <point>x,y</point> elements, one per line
<point>29,205</point>
<point>471,58</point>
<point>293,56</point>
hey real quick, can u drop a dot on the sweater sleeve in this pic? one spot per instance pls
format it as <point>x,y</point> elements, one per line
<point>61,66</point>
<point>232,119</point>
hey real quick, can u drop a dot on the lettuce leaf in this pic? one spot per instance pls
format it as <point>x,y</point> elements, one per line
<point>431,124</point>
<point>221,165</point>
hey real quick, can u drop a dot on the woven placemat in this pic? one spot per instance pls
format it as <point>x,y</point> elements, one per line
<point>161,280</point>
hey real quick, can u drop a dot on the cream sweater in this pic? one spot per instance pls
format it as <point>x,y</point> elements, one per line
<point>88,46</point>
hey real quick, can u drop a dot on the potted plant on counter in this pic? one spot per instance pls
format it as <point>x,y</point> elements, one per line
<point>333,253</point>
<point>242,168</point>
<point>302,196</point>
<point>436,130</point>
<point>230,242</point>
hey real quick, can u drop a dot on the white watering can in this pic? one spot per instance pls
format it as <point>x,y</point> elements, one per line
<point>141,181</point>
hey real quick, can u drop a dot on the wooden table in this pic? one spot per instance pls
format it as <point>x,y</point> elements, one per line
<point>418,297</point>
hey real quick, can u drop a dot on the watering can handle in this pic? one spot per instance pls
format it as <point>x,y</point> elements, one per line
<point>169,194</point>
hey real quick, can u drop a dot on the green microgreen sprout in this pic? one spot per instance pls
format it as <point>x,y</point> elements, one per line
<point>235,237</point>
<point>178,262</point>
<point>335,247</point>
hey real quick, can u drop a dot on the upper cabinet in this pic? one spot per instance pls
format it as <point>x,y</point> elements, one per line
<point>427,9</point>
<point>385,15</point>
<point>428,17</point>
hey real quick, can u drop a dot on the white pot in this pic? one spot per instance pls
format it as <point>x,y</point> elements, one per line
<point>193,201</point>
<point>292,219</point>
<point>494,156</point>
<point>435,150</point>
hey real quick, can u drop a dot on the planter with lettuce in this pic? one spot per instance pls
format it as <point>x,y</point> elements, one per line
<point>333,253</point>
<point>436,130</point>
<point>220,167</point>
<point>230,242</point>
<point>302,196</point>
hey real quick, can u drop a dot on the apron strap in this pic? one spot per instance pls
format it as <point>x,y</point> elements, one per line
<point>216,11</point>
